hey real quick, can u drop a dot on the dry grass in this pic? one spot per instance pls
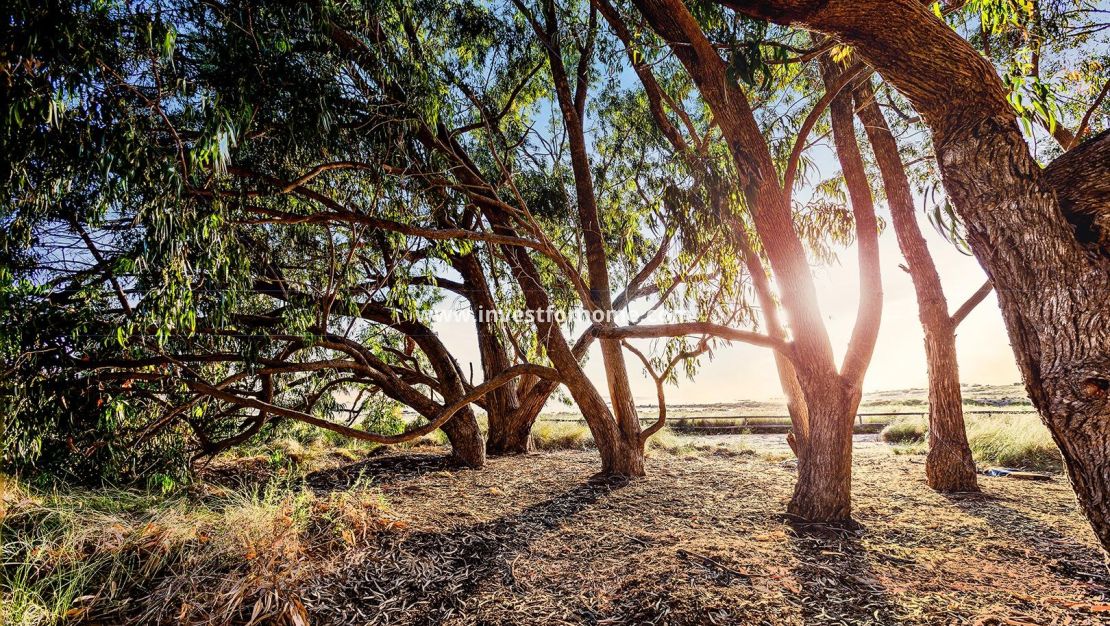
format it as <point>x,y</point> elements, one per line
<point>905,430</point>
<point>550,436</point>
<point>404,537</point>
<point>1018,441</point>
<point>115,556</point>
<point>561,436</point>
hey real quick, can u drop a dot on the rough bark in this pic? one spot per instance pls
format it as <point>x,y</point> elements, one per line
<point>949,466</point>
<point>1081,178</point>
<point>509,433</point>
<point>467,445</point>
<point>823,489</point>
<point>1051,289</point>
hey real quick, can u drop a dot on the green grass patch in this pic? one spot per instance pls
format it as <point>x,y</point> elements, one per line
<point>1019,441</point>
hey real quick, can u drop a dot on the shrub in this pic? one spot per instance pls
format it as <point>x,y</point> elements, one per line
<point>908,429</point>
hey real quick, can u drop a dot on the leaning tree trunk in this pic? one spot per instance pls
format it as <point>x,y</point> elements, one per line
<point>618,457</point>
<point>949,467</point>
<point>462,430</point>
<point>628,453</point>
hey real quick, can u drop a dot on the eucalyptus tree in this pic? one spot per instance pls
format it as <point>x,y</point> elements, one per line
<point>1046,53</point>
<point>831,392</point>
<point>545,199</point>
<point>1036,231</point>
<point>130,235</point>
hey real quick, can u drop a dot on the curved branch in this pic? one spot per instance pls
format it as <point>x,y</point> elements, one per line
<point>446,414</point>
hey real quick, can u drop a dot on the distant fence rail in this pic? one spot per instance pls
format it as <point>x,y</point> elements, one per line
<point>867,422</point>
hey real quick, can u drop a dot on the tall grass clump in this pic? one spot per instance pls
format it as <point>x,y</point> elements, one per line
<point>907,429</point>
<point>128,557</point>
<point>1018,441</point>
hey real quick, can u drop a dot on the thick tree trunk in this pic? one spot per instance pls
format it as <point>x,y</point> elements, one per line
<point>949,466</point>
<point>510,433</point>
<point>467,445</point>
<point>626,460</point>
<point>823,490</point>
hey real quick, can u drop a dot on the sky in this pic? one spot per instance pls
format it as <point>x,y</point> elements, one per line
<point>743,372</point>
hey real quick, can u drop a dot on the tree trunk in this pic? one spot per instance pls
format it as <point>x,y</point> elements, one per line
<point>821,495</point>
<point>622,458</point>
<point>467,446</point>
<point>823,489</point>
<point>509,426</point>
<point>949,467</point>
<point>626,456</point>
<point>510,433</point>
<point>617,457</point>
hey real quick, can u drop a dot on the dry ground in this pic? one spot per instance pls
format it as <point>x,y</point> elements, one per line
<point>702,541</point>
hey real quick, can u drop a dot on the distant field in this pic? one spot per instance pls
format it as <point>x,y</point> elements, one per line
<point>1009,398</point>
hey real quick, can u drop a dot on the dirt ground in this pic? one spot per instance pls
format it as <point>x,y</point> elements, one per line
<point>702,540</point>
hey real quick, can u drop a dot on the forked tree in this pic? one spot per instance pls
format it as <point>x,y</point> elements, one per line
<point>831,391</point>
<point>1038,232</point>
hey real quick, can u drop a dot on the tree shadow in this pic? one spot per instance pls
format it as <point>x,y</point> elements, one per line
<point>385,469</point>
<point>837,582</point>
<point>429,577</point>
<point>1062,554</point>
